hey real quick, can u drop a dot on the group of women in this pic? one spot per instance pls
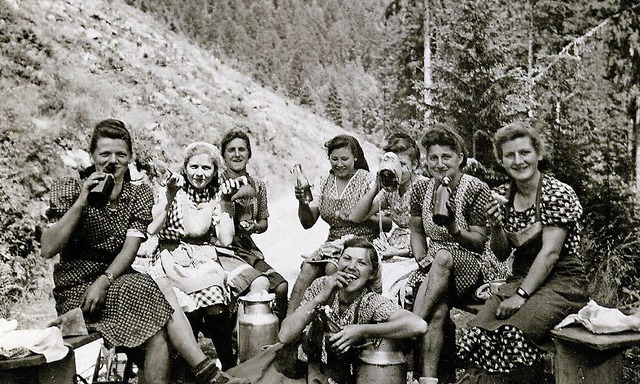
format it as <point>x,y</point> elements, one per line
<point>204,217</point>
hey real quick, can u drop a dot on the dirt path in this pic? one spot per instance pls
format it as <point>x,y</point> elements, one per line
<point>285,240</point>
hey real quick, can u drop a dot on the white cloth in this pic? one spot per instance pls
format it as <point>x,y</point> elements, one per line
<point>47,342</point>
<point>395,273</point>
<point>598,319</point>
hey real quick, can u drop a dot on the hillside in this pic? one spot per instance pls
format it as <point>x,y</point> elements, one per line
<point>64,65</point>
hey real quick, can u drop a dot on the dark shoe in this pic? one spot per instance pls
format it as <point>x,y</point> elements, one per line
<point>208,372</point>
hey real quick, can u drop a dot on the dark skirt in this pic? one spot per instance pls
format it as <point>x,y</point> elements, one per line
<point>504,345</point>
<point>135,309</point>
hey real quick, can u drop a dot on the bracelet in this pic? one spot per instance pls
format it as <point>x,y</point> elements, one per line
<point>522,293</point>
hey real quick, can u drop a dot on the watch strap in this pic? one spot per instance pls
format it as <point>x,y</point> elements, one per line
<point>522,293</point>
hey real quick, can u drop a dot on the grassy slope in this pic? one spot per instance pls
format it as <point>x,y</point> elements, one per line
<point>68,64</point>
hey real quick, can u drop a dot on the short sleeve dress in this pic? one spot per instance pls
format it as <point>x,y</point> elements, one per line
<point>330,203</point>
<point>368,308</point>
<point>471,196</point>
<point>255,208</point>
<point>135,309</point>
<point>399,207</point>
<point>502,345</point>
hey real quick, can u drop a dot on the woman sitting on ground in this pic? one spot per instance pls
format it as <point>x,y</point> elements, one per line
<point>334,197</point>
<point>535,217</point>
<point>192,215</point>
<point>344,310</point>
<point>251,215</point>
<point>97,245</point>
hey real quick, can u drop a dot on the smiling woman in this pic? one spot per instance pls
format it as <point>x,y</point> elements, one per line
<point>97,246</point>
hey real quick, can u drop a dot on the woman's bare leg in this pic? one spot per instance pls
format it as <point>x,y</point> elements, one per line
<point>179,330</point>
<point>431,305</point>
<point>308,273</point>
<point>156,359</point>
<point>261,283</point>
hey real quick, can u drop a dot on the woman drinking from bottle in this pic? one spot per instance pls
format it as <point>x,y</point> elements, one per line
<point>97,245</point>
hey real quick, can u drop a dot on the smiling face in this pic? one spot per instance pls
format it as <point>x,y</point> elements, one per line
<point>520,159</point>
<point>236,155</point>
<point>357,263</point>
<point>342,162</point>
<point>111,156</point>
<point>443,161</point>
<point>200,170</point>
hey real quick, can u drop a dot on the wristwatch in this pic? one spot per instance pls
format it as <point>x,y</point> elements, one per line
<point>109,277</point>
<point>522,293</point>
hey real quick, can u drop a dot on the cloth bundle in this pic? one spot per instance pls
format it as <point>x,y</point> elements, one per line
<point>598,319</point>
<point>47,342</point>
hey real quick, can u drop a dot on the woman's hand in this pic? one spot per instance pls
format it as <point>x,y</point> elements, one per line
<point>494,211</point>
<point>93,180</point>
<point>509,306</point>
<point>173,182</point>
<point>336,281</point>
<point>300,194</point>
<point>95,296</point>
<point>346,338</point>
<point>451,225</point>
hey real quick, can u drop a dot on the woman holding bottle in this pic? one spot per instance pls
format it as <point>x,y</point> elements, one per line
<point>456,228</point>
<point>193,214</point>
<point>334,197</point>
<point>97,245</point>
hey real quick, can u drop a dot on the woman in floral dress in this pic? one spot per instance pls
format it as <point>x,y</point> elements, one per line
<point>97,245</point>
<point>339,312</point>
<point>535,218</point>
<point>334,197</point>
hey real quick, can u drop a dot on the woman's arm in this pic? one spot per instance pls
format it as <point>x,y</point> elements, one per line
<point>96,294</point>
<point>400,325</point>
<point>367,205</point>
<point>226,228</point>
<point>160,211</point>
<point>56,236</point>
<point>498,243</point>
<point>552,240</point>
<point>472,239</point>
<point>418,238</point>
<point>307,215</point>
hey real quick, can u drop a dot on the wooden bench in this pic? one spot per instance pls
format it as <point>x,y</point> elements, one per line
<point>34,369</point>
<point>583,357</point>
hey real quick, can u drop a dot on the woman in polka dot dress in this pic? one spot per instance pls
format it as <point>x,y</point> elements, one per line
<point>97,245</point>
<point>535,217</point>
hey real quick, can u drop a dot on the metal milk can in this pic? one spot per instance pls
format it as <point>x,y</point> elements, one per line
<point>257,325</point>
<point>384,364</point>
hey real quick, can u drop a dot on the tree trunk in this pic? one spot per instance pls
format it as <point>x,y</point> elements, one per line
<point>636,138</point>
<point>530,60</point>
<point>428,83</point>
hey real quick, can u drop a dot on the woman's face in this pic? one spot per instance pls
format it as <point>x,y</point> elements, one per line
<point>407,167</point>
<point>200,170</point>
<point>520,159</point>
<point>357,263</point>
<point>342,162</point>
<point>111,156</point>
<point>236,155</point>
<point>443,161</point>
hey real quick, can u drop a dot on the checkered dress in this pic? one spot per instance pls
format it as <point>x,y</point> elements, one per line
<point>135,309</point>
<point>174,231</point>
<point>471,196</point>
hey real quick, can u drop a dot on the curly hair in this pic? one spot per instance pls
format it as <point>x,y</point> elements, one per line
<point>352,143</point>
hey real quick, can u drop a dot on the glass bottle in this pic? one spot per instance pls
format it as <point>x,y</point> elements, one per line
<point>302,182</point>
<point>440,211</point>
